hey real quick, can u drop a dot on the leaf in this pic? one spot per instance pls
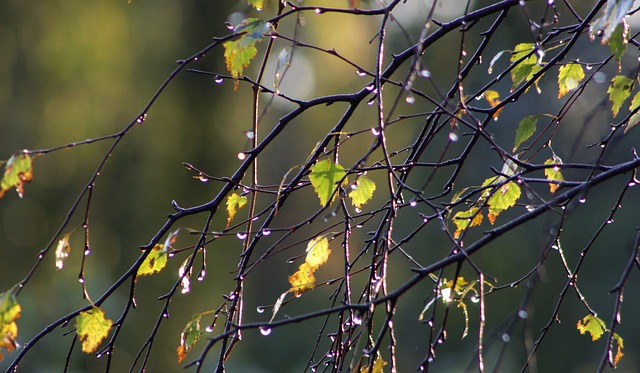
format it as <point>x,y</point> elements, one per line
<point>239,53</point>
<point>613,15</point>
<point>553,173</point>
<point>258,4</point>
<point>284,61</point>
<point>154,262</point>
<point>618,42</point>
<point>62,251</point>
<point>234,203</point>
<point>92,327</point>
<point>593,325</point>
<point>378,366</point>
<point>619,353</point>
<point>9,313</point>
<point>569,78</point>
<point>302,280</point>
<point>363,191</point>
<point>189,336</point>
<point>635,118</point>
<point>277,305</point>
<point>525,69</point>
<point>493,98</point>
<point>493,61</point>
<point>17,172</point>
<point>503,198</point>
<point>324,176</point>
<point>526,129</point>
<point>466,219</point>
<point>619,91</point>
<point>317,252</point>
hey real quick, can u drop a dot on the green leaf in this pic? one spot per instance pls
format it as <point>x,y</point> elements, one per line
<point>92,327</point>
<point>154,262</point>
<point>618,42</point>
<point>62,251</point>
<point>9,313</point>
<point>526,129</point>
<point>17,172</point>
<point>363,192</point>
<point>239,53</point>
<point>189,336</point>
<point>553,173</point>
<point>324,176</point>
<point>525,69</point>
<point>635,118</point>
<point>258,4</point>
<point>284,61</point>
<point>521,50</point>
<point>593,325</point>
<point>503,198</point>
<point>569,78</point>
<point>234,203</point>
<point>619,91</point>
<point>466,219</point>
<point>613,15</point>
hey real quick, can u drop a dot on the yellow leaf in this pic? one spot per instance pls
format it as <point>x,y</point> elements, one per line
<point>363,191</point>
<point>234,203</point>
<point>92,327</point>
<point>619,353</point>
<point>493,98</point>
<point>553,173</point>
<point>17,172</point>
<point>154,262</point>
<point>62,251</point>
<point>503,198</point>
<point>317,252</point>
<point>9,313</point>
<point>302,280</point>
<point>239,53</point>
<point>378,366</point>
<point>569,78</point>
<point>593,325</point>
<point>466,219</point>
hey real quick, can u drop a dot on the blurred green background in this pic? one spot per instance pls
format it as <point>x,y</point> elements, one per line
<point>72,70</point>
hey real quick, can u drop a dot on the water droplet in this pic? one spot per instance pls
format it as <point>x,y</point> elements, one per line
<point>530,207</point>
<point>242,156</point>
<point>141,118</point>
<point>631,184</point>
<point>375,131</point>
<point>259,309</point>
<point>357,210</point>
<point>550,2</point>
<point>202,275</point>
<point>265,331</point>
<point>475,299</point>
<point>165,315</point>
<point>588,67</point>
<point>218,79</point>
<point>361,73</point>
<point>582,200</point>
<point>209,329</point>
<point>453,137</point>
<point>523,314</point>
<point>505,337</point>
<point>410,100</point>
<point>40,256</point>
<point>356,320</point>
<point>250,135</point>
<point>266,232</point>
<point>318,11</point>
<point>87,252</point>
<point>609,221</point>
<point>81,280</point>
<point>425,73</point>
<point>413,203</point>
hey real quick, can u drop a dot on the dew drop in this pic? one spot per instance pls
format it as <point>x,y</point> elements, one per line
<point>250,135</point>
<point>631,184</point>
<point>40,256</point>
<point>357,320</point>
<point>453,137</point>
<point>582,200</point>
<point>202,275</point>
<point>81,280</point>
<point>589,67</point>
<point>475,299</point>
<point>229,25</point>
<point>209,329</point>
<point>425,73</point>
<point>361,73</point>
<point>242,156</point>
<point>413,203</point>
<point>530,208</point>
<point>218,79</point>
<point>609,221</point>
<point>410,100</point>
<point>241,235</point>
<point>318,11</point>
<point>523,314</point>
<point>266,232</point>
<point>375,131</point>
<point>87,252</point>
<point>259,309</point>
<point>265,331</point>
<point>165,315</point>
<point>505,337</point>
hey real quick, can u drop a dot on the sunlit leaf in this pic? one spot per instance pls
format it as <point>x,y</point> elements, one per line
<point>234,203</point>
<point>302,280</point>
<point>619,354</point>
<point>493,98</point>
<point>258,4</point>
<point>503,198</point>
<point>92,327</point>
<point>277,305</point>
<point>189,336</point>
<point>9,313</point>
<point>526,129</point>
<point>378,366</point>
<point>466,219</point>
<point>618,42</point>
<point>493,61</point>
<point>635,118</point>
<point>63,249</point>
<point>324,176</point>
<point>525,69</point>
<point>569,78</point>
<point>171,239</point>
<point>619,91</point>
<point>456,197</point>
<point>284,61</point>
<point>593,325</point>
<point>553,173</point>
<point>154,262</point>
<point>239,53</point>
<point>613,15</point>
<point>363,192</point>
<point>317,252</point>
<point>17,172</point>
